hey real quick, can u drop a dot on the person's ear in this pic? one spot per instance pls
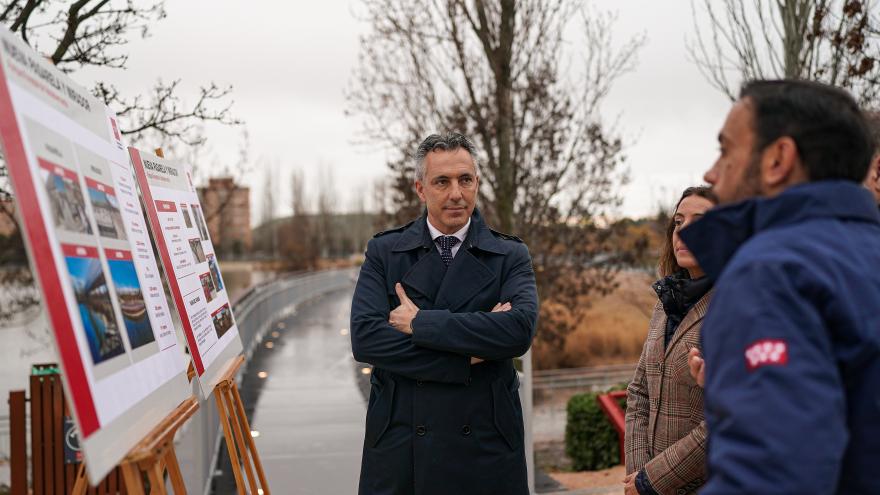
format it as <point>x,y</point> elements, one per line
<point>874,173</point>
<point>780,164</point>
<point>420,190</point>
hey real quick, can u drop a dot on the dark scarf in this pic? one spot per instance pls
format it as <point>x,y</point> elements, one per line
<point>678,293</point>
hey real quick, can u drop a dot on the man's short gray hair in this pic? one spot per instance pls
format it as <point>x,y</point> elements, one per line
<point>435,142</point>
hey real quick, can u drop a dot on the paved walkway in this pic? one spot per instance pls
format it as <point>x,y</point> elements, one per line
<point>308,408</point>
<point>310,412</point>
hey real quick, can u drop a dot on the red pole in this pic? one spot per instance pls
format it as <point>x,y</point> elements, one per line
<point>614,413</point>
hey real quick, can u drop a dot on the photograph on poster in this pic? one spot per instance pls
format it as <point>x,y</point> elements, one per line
<point>131,301</point>
<point>184,209</point>
<point>95,308</point>
<point>107,214</point>
<point>222,320</point>
<point>215,272</point>
<point>195,245</point>
<point>66,198</point>
<point>208,286</point>
<point>200,222</point>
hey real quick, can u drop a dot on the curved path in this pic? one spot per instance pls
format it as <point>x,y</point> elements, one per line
<point>309,411</point>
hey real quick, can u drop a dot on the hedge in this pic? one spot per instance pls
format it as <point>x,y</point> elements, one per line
<point>590,441</point>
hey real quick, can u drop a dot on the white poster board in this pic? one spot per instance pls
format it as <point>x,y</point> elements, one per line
<point>187,253</point>
<point>122,366</point>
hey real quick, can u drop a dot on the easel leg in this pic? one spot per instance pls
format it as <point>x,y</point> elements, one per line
<point>239,437</point>
<point>133,482</point>
<point>174,472</point>
<point>81,484</point>
<point>157,481</point>
<point>250,439</point>
<point>155,453</point>
<point>230,441</point>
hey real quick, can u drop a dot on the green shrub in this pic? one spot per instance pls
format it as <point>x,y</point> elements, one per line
<point>590,441</point>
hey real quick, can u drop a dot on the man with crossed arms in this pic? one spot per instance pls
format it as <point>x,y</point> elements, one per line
<point>441,308</point>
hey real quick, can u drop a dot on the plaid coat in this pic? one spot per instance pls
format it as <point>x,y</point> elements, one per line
<point>665,430</point>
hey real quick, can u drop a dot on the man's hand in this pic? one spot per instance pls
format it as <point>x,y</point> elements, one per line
<point>402,316</point>
<point>697,366</point>
<point>499,308</point>
<point>629,484</point>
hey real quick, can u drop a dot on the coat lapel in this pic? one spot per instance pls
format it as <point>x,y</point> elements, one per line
<point>465,276</point>
<point>692,318</point>
<point>453,287</point>
<point>425,275</point>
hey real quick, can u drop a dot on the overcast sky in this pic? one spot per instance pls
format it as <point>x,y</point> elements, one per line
<point>289,63</point>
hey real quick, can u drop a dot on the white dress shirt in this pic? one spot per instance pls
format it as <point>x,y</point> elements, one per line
<point>461,234</point>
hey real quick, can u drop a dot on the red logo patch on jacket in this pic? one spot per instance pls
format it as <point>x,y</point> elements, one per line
<point>765,353</point>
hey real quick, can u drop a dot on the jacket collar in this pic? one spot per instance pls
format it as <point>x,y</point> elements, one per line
<point>693,316</point>
<point>716,237</point>
<point>479,236</point>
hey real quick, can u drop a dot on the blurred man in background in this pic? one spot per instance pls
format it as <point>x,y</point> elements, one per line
<point>791,341</point>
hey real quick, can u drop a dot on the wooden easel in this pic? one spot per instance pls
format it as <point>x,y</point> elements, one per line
<point>152,456</point>
<point>236,428</point>
<point>237,431</point>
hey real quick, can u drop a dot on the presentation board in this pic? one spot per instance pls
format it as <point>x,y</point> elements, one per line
<point>185,250</point>
<point>82,222</point>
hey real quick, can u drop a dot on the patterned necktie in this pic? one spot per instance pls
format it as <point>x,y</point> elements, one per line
<point>446,243</point>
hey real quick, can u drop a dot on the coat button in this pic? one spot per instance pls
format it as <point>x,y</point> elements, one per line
<point>420,383</point>
<point>466,430</point>
<point>421,430</point>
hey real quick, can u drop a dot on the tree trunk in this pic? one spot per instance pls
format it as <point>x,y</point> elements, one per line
<point>505,194</point>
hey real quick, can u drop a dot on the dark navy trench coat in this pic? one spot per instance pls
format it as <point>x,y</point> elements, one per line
<point>435,423</point>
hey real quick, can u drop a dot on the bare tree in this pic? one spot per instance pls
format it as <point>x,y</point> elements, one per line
<point>381,204</point>
<point>498,71</point>
<point>326,208</point>
<point>833,41</point>
<point>74,34</point>
<point>268,209</point>
<point>296,239</point>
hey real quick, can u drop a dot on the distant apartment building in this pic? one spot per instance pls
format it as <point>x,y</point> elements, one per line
<point>227,211</point>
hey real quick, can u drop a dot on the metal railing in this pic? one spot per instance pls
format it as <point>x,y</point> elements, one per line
<point>592,378</point>
<point>198,444</point>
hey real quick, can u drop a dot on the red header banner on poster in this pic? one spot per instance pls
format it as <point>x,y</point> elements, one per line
<point>166,206</point>
<point>81,220</point>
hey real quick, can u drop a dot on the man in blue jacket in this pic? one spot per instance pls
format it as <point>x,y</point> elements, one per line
<point>441,307</point>
<point>791,341</point>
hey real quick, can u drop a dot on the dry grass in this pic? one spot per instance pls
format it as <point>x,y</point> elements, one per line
<point>612,330</point>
